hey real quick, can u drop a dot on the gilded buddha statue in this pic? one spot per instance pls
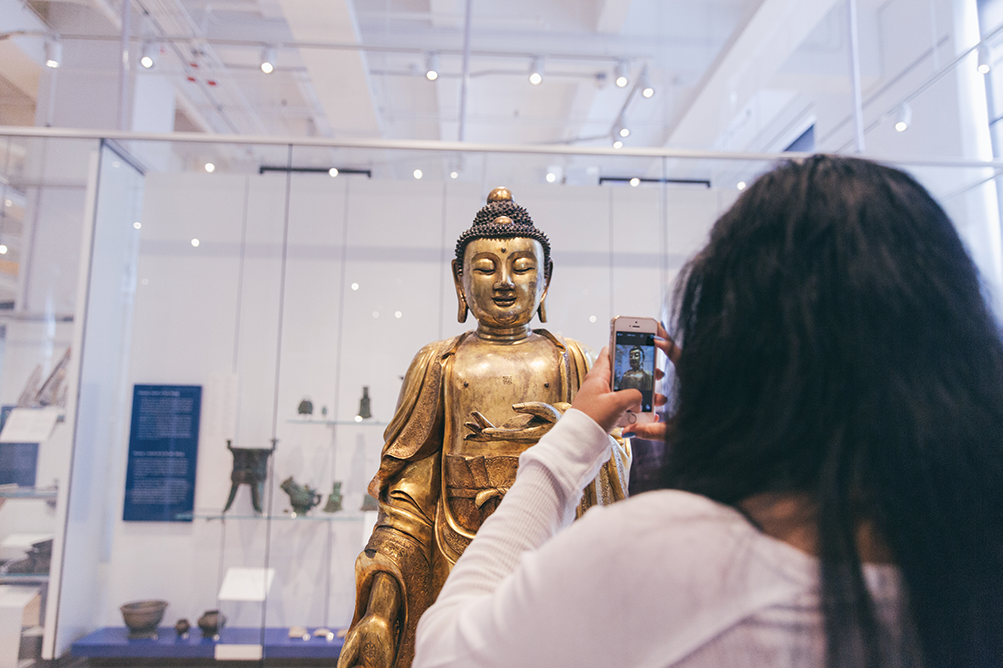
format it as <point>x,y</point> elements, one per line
<point>445,464</point>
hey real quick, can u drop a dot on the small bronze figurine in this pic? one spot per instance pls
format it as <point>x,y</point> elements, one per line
<point>250,467</point>
<point>181,628</point>
<point>305,407</point>
<point>334,499</point>
<point>301,497</point>
<point>364,412</point>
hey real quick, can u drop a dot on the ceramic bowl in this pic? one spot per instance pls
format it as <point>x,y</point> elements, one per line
<point>143,616</point>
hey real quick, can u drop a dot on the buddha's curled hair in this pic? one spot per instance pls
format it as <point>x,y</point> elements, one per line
<point>485,227</point>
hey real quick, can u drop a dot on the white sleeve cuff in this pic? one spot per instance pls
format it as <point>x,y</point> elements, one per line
<point>573,451</point>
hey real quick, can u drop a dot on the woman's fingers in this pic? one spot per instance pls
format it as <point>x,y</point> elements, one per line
<point>652,431</point>
<point>667,345</point>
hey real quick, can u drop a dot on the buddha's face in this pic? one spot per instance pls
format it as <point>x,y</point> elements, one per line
<point>635,359</point>
<point>503,280</point>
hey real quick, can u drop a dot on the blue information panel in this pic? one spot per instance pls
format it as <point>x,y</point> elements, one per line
<point>163,448</point>
<point>18,461</point>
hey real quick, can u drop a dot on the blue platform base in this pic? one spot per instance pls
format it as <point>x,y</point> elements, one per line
<point>114,642</point>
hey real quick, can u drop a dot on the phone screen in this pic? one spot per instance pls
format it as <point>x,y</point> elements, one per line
<point>634,365</point>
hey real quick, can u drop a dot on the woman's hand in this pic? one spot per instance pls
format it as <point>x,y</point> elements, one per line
<point>655,431</point>
<point>598,401</point>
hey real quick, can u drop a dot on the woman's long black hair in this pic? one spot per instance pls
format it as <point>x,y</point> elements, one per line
<point>836,343</point>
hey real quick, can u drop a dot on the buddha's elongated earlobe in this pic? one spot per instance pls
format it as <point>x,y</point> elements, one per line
<point>542,310</point>
<point>461,313</point>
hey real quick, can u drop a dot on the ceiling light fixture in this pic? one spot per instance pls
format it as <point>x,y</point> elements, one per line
<point>985,59</point>
<point>333,172</point>
<point>551,177</point>
<point>454,175</point>
<point>620,128</point>
<point>417,173</point>
<point>903,117</point>
<point>268,59</point>
<point>644,83</point>
<point>635,182</point>
<point>536,71</point>
<point>431,66</point>
<point>148,55</point>
<point>53,53</point>
<point>622,74</point>
<point>617,142</point>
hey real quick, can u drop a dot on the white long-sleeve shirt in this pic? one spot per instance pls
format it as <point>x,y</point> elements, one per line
<point>665,578</point>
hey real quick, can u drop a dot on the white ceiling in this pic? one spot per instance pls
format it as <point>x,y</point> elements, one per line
<point>739,75</point>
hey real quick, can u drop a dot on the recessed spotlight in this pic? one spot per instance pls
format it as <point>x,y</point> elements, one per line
<point>536,71</point>
<point>195,242</point>
<point>417,173</point>
<point>592,318</point>
<point>3,249</point>
<point>644,83</point>
<point>635,182</point>
<point>622,72</point>
<point>432,66</point>
<point>137,224</point>
<point>551,177</point>
<point>7,202</point>
<point>333,172</point>
<point>149,55</point>
<point>376,314</point>
<point>620,127</point>
<point>903,117</point>
<point>355,286</point>
<point>209,167</point>
<point>740,185</point>
<point>358,418</point>
<point>145,281</point>
<point>268,59</point>
<point>53,53</point>
<point>985,59</point>
<point>397,314</point>
<point>617,143</point>
<point>454,175</point>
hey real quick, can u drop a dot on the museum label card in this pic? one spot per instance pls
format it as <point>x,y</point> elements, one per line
<point>29,425</point>
<point>246,584</point>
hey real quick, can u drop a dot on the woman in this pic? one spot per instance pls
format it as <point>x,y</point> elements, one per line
<point>833,492</point>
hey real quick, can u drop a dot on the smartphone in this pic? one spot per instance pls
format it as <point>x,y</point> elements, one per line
<point>632,347</point>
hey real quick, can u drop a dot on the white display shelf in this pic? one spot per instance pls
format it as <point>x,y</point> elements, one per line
<point>341,516</point>
<point>351,423</point>
<point>16,492</point>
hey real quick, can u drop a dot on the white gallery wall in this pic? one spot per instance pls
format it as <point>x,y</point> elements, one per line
<point>265,303</point>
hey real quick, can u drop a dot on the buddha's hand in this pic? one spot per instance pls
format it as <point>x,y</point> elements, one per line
<point>370,644</point>
<point>534,419</point>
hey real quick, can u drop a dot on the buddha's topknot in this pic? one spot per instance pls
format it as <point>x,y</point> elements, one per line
<point>501,218</point>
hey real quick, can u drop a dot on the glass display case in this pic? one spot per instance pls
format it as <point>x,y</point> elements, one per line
<point>237,340</point>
